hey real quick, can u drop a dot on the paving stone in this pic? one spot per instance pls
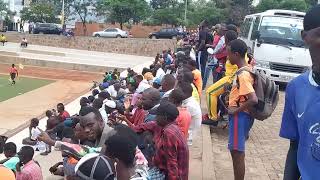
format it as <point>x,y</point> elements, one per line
<point>265,150</point>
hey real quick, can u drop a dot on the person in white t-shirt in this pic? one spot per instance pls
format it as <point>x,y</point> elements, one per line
<point>113,90</point>
<point>194,109</point>
<point>143,84</point>
<point>34,133</point>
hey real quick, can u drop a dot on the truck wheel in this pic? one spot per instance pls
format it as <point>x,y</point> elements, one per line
<point>97,35</point>
<point>118,36</point>
<point>174,37</point>
<point>153,37</point>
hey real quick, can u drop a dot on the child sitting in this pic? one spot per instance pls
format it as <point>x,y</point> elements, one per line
<point>29,141</point>
<point>24,43</point>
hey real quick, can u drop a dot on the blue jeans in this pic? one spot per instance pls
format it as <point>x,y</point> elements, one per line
<point>209,69</point>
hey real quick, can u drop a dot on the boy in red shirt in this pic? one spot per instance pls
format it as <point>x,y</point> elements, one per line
<point>183,120</point>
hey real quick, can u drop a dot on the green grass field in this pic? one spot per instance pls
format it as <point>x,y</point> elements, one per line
<point>23,85</point>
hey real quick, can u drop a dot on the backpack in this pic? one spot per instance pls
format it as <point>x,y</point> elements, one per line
<point>267,93</point>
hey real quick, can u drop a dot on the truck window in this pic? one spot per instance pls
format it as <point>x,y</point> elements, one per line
<point>245,28</point>
<point>282,30</point>
<point>255,26</point>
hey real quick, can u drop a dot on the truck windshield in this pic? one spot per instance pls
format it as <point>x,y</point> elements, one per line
<point>282,30</point>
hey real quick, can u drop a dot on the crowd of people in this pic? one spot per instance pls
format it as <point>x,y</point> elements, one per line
<point>141,126</point>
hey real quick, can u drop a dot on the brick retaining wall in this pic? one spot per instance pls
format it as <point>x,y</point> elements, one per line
<point>134,46</point>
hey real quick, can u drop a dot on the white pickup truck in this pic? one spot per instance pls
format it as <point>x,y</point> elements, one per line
<point>274,38</point>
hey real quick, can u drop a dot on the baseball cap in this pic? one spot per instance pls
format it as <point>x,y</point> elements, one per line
<point>157,81</point>
<point>109,103</point>
<point>167,109</point>
<point>94,166</point>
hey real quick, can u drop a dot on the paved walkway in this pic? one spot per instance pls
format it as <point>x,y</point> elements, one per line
<point>265,150</point>
<point>48,53</point>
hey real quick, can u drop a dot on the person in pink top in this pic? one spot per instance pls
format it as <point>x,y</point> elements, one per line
<point>27,168</point>
<point>183,120</point>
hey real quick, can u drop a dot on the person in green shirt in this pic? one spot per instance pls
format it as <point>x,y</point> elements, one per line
<point>12,159</point>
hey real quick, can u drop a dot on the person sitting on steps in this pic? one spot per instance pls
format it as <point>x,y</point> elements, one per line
<point>24,42</point>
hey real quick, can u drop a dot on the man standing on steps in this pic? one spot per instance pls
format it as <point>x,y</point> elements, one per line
<point>204,38</point>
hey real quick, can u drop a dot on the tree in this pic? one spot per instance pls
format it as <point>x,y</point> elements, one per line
<point>237,9</point>
<point>122,10</point>
<point>66,11</point>
<point>3,6</point>
<point>200,10</point>
<point>161,4</point>
<point>84,9</point>
<point>39,12</point>
<point>167,16</point>
<point>297,5</point>
<point>266,5</point>
<point>3,12</point>
<point>311,2</point>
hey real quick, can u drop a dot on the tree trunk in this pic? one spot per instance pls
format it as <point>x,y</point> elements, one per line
<point>84,28</point>
<point>121,25</point>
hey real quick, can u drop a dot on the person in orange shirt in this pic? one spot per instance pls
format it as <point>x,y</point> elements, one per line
<point>197,79</point>
<point>13,74</point>
<point>242,96</point>
<point>6,173</point>
<point>184,119</point>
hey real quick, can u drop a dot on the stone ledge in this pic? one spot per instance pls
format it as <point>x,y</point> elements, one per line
<point>54,64</point>
<point>43,52</point>
<point>133,46</point>
<point>207,155</point>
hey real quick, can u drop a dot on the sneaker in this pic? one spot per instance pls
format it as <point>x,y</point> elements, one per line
<point>210,122</point>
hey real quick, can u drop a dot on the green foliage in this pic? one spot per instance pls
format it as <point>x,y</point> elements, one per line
<point>122,10</point>
<point>205,10</point>
<point>297,5</point>
<point>267,4</point>
<point>311,2</point>
<point>170,16</point>
<point>3,6</point>
<point>83,8</point>
<point>161,4</point>
<point>237,10</point>
<point>39,12</point>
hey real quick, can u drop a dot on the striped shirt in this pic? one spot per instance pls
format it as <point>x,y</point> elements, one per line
<point>30,171</point>
<point>172,153</point>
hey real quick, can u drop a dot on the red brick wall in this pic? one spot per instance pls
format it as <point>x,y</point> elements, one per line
<point>137,30</point>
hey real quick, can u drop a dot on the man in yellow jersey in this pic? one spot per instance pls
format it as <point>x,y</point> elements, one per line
<point>215,90</point>
<point>3,39</point>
